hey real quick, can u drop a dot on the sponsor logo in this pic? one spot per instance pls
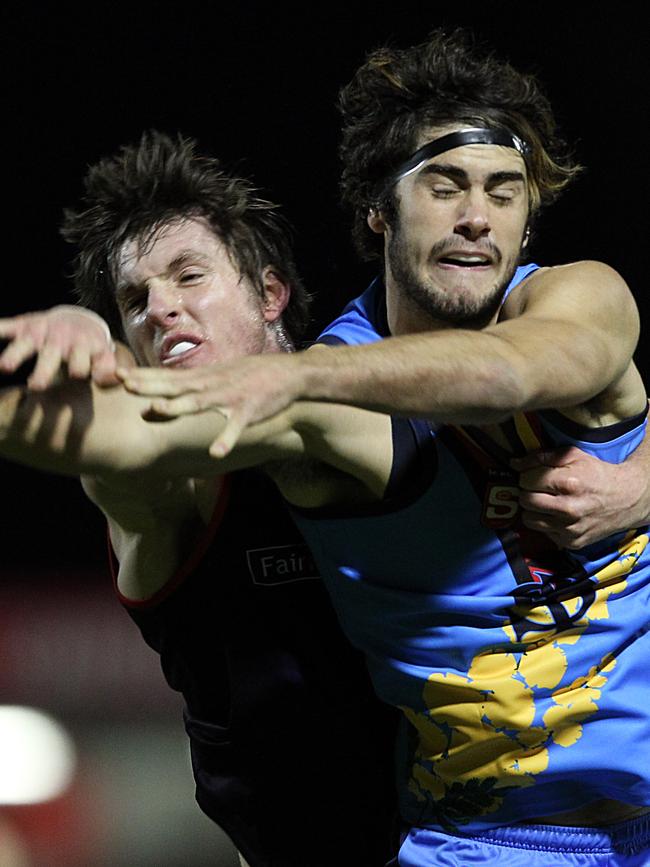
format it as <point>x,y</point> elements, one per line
<point>281,564</point>
<point>501,502</point>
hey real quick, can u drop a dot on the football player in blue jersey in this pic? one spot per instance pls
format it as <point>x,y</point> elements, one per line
<point>514,663</point>
<point>448,155</point>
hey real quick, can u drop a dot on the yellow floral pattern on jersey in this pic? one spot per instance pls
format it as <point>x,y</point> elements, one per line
<point>488,732</point>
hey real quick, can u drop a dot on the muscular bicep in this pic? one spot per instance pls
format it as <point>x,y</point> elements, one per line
<point>569,334</point>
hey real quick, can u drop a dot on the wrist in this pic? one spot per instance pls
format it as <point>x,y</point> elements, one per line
<point>89,314</point>
<point>634,494</point>
<point>307,376</point>
<point>642,507</point>
<point>325,373</point>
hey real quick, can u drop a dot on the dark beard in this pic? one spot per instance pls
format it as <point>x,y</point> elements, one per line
<point>453,310</point>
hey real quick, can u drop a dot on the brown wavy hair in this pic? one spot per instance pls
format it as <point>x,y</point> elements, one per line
<point>159,179</point>
<point>398,93</point>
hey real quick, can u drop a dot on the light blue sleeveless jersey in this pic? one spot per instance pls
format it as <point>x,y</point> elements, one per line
<point>523,671</point>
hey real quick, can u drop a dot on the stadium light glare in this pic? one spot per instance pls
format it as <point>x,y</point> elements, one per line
<point>37,756</point>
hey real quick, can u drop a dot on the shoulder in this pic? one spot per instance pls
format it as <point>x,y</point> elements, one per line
<point>590,283</point>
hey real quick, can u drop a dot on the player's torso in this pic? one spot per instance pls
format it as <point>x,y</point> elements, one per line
<point>498,647</point>
<point>283,723</point>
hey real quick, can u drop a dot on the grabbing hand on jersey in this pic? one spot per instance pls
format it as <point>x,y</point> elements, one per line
<point>577,499</point>
<point>62,336</point>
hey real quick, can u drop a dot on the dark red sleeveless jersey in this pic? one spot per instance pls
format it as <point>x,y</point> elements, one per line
<point>284,728</point>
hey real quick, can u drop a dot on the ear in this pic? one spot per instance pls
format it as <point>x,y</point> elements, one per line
<point>276,294</point>
<point>376,221</point>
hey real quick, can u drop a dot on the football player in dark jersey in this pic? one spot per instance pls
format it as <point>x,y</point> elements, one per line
<point>292,752</point>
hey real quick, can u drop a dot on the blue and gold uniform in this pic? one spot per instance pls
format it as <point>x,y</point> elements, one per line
<point>521,670</point>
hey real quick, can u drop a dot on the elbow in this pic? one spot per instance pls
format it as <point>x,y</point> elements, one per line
<point>501,391</point>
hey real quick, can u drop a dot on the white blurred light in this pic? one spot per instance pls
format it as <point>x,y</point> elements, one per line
<point>37,756</point>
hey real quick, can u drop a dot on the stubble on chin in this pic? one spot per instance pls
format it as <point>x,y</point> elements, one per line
<point>457,310</point>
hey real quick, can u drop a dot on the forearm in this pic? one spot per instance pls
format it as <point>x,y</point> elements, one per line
<point>35,434</point>
<point>566,336</point>
<point>79,429</point>
<point>454,377</point>
<point>410,376</point>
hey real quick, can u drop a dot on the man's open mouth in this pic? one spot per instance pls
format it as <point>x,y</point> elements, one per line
<point>180,348</point>
<point>467,260</point>
<point>175,349</point>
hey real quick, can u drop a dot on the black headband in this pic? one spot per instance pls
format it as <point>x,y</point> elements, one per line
<point>431,149</point>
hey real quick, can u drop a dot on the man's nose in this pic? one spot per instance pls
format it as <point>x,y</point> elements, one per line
<point>163,304</point>
<point>473,221</point>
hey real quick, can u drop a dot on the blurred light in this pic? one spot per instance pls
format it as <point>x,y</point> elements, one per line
<point>37,756</point>
<point>351,573</point>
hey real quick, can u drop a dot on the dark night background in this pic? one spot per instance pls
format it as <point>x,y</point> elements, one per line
<point>256,85</point>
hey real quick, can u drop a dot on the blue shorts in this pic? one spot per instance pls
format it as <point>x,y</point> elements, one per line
<point>626,844</point>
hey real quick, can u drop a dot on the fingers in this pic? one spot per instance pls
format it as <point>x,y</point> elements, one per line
<point>18,351</point>
<point>186,404</point>
<point>545,458</point>
<point>531,461</point>
<point>152,382</point>
<point>554,480</point>
<point>79,363</point>
<point>103,369</point>
<point>64,336</point>
<point>565,531</point>
<point>555,519</point>
<point>48,364</point>
<point>8,326</point>
<point>537,501</point>
<point>225,443</point>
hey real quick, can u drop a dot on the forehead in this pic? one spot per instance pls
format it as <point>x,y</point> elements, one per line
<point>474,159</point>
<point>189,237</point>
<point>479,161</point>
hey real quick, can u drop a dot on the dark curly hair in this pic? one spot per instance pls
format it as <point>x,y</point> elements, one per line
<point>132,194</point>
<point>399,93</point>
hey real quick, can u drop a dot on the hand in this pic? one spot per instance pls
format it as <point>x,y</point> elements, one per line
<point>577,499</point>
<point>64,335</point>
<point>246,391</point>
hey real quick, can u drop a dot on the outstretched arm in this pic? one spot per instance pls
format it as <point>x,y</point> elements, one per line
<point>569,333</point>
<point>79,429</point>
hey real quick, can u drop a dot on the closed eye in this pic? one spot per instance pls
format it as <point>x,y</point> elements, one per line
<point>444,192</point>
<point>190,276</point>
<point>501,196</point>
